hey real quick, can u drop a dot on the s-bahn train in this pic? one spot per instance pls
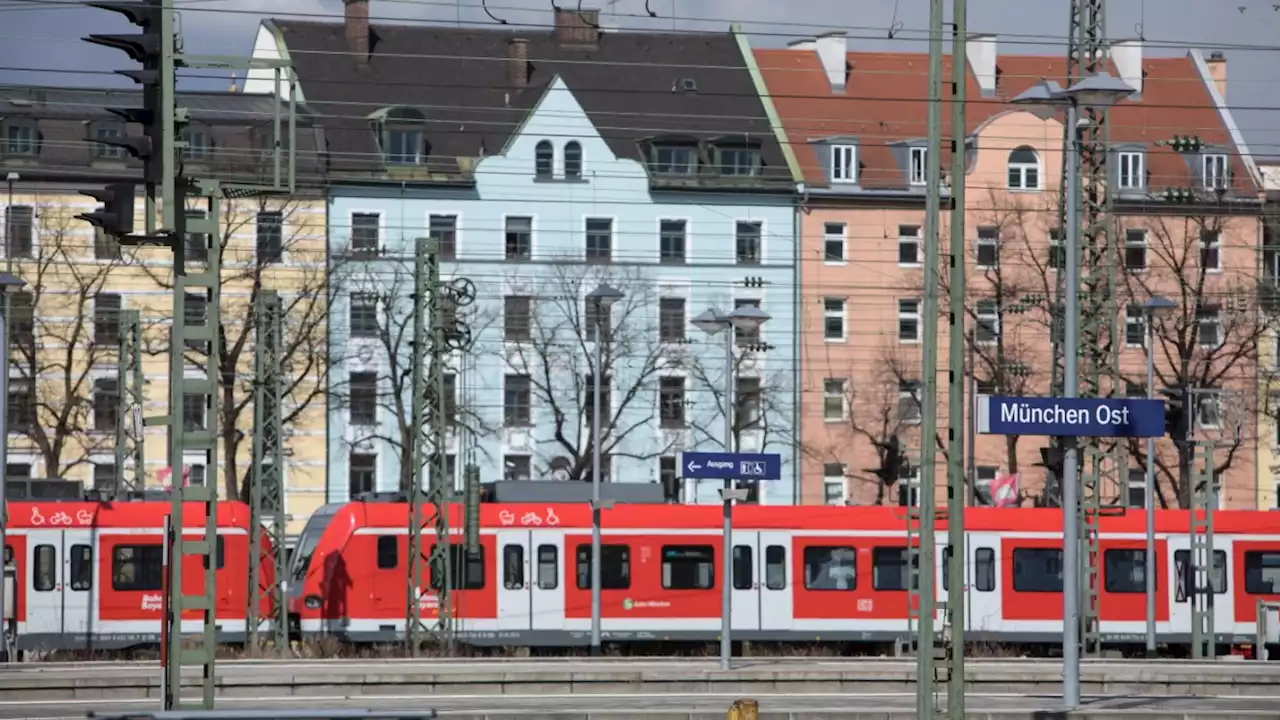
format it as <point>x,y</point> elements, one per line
<point>90,574</point>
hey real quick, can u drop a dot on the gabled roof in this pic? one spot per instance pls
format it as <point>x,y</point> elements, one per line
<point>884,103</point>
<point>459,78</point>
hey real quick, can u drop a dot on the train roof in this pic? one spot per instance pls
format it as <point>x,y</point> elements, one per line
<point>55,514</point>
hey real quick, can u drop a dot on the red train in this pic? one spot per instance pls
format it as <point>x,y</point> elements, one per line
<point>89,574</point>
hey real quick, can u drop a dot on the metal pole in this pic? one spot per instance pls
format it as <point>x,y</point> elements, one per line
<point>726,598</point>
<point>1070,509</point>
<point>4,476</point>
<point>596,426</point>
<point>1149,498</point>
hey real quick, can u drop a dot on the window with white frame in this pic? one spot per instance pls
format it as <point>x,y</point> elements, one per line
<point>984,476</point>
<point>1135,326</point>
<point>1211,250</point>
<point>844,163</point>
<point>1214,168</point>
<point>833,242</point>
<point>1137,488</point>
<point>1208,410</point>
<point>833,318</point>
<point>833,487</point>
<point>1057,259</point>
<point>909,486</point>
<point>1024,169</point>
<point>909,402</point>
<point>833,405</point>
<point>909,244</point>
<point>1209,327</point>
<point>909,320</point>
<point>1132,167</point>
<point>987,327</point>
<point>1135,249</point>
<point>987,249</point>
<point>919,165</point>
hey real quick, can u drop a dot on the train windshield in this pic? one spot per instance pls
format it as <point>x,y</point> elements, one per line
<point>309,539</point>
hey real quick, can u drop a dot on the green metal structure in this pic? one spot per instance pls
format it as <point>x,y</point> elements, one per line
<point>266,492</point>
<point>131,469</point>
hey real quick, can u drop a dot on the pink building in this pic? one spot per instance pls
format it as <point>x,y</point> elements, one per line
<point>856,124</point>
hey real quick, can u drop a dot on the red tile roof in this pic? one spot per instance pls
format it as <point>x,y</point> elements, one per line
<point>884,102</point>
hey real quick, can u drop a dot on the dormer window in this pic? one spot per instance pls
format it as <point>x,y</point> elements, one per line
<point>740,160</point>
<point>674,158</point>
<point>107,130</point>
<point>844,163</point>
<point>400,136</point>
<point>1132,170</point>
<point>199,144</point>
<point>572,160</point>
<point>544,160</point>
<point>1024,169</point>
<point>20,138</point>
<point>919,163</point>
<point>1214,169</point>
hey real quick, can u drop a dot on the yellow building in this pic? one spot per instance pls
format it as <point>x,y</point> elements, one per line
<point>1269,349</point>
<point>63,412</point>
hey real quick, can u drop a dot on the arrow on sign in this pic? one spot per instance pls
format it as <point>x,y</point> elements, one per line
<point>693,467</point>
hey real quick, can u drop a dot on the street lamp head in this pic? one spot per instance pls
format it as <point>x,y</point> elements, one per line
<point>10,283</point>
<point>12,177</point>
<point>1099,91</point>
<point>710,321</point>
<point>748,318</point>
<point>1045,92</point>
<point>605,296</point>
<point>1157,306</point>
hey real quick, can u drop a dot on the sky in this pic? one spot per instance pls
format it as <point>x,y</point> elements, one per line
<point>40,39</point>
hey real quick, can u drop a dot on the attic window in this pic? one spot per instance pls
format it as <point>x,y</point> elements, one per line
<point>199,143</point>
<point>738,159</point>
<point>673,158</point>
<point>107,130</point>
<point>20,137</point>
<point>400,135</point>
<point>688,85</point>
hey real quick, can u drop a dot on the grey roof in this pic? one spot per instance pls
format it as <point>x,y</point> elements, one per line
<point>459,79</point>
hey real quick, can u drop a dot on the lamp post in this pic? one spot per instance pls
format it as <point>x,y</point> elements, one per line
<point>1156,306</point>
<point>9,284</point>
<point>1099,92</point>
<point>747,319</point>
<point>600,301</point>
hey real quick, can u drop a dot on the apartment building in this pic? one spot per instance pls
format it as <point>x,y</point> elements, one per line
<point>1186,223</point>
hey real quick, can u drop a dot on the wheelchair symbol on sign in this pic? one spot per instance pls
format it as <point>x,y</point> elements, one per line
<point>751,467</point>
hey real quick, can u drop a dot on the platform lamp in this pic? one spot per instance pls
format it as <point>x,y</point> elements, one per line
<point>9,284</point>
<point>600,301</point>
<point>1155,307</point>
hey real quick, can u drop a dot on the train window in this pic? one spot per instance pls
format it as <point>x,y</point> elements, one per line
<point>548,567</point>
<point>889,568</point>
<point>688,567</point>
<point>137,567</point>
<point>1262,572</point>
<point>8,554</point>
<point>830,568</point>
<point>513,567</point>
<point>984,569</point>
<point>743,567</point>
<point>467,569</point>
<point>46,568</point>
<point>1182,561</point>
<point>615,567</point>
<point>388,552</point>
<point>775,567</point>
<point>220,552</point>
<point>1037,570</point>
<point>1124,571</point>
<point>81,567</point>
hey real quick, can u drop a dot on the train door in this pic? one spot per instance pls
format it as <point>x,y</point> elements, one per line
<point>531,580</point>
<point>1179,568</point>
<point>549,576</point>
<point>775,578</point>
<point>745,589</point>
<point>78,570</point>
<point>514,599</point>
<point>44,584</point>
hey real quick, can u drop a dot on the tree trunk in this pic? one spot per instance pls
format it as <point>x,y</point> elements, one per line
<point>230,444</point>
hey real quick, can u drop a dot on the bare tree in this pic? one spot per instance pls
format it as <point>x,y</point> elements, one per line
<point>64,330</point>
<point>286,255</point>
<point>761,403</point>
<point>552,345</point>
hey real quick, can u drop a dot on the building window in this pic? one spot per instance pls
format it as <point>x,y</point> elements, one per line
<point>747,405</point>
<point>195,313</point>
<point>748,238</point>
<point>987,328</point>
<point>1215,172</point>
<point>401,134</point>
<point>909,486</point>
<point>1024,169</point>
<point>919,165</point>
<point>364,315</point>
<point>746,337</point>
<point>517,318</point>
<point>1057,259</point>
<point>365,233</point>
<point>22,407</point>
<point>105,247</point>
<point>20,138</point>
<point>1135,326</point>
<point>672,241</point>
<point>909,402</point>
<point>22,320</point>
<point>844,163</point>
<point>986,474</point>
<point>588,399</point>
<point>443,229</point>
<point>517,401</point>
<point>738,161</point>
<point>544,160</point>
<point>1133,174</point>
<point>833,404</point>
<point>362,473</point>
<point>199,145</point>
<point>106,401</point>
<point>519,238</point>
<point>674,159</point>
<point>364,398</point>
<point>669,478</point>
<point>517,468</point>
<point>833,242</point>
<point>108,131</point>
<point>909,321</point>
<point>1211,250</point>
<point>1135,249</point>
<point>572,160</point>
<point>106,319</point>
<point>833,319</point>
<point>1137,488</point>
<point>599,233</point>
<point>908,244</point>
<point>450,400</point>
<point>194,408</point>
<point>1209,325</point>
<point>594,319</point>
<point>987,249</point>
<point>671,402</point>
<point>270,237</point>
<point>671,319</point>
<point>196,244</point>
<point>19,230</point>
<point>104,476</point>
<point>833,489</point>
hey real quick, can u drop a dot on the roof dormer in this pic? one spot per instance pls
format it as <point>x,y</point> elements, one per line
<point>673,155</point>
<point>401,135</point>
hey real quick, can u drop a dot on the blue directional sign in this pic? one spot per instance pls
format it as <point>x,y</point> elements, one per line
<point>729,466</point>
<point>1070,417</point>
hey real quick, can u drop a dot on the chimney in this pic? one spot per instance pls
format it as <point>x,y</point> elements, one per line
<point>518,63</point>
<point>833,52</point>
<point>578,27</point>
<point>1127,56</point>
<point>982,62</point>
<point>356,25</point>
<point>803,44</point>
<point>1217,63</point>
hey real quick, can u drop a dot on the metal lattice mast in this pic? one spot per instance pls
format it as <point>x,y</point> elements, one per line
<point>131,469</point>
<point>266,498</point>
